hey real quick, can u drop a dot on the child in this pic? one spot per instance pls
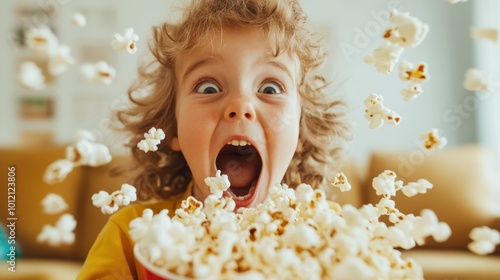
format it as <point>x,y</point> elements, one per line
<point>233,86</point>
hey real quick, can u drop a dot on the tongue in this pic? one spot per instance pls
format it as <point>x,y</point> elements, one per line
<point>240,171</point>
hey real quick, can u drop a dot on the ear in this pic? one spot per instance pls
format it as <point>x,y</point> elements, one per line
<point>299,147</point>
<point>174,144</point>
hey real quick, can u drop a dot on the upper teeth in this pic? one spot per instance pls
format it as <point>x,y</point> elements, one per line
<point>238,143</point>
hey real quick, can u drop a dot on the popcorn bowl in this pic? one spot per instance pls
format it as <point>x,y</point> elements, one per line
<point>150,272</point>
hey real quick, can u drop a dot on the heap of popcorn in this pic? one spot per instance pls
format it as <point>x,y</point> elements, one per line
<point>294,234</point>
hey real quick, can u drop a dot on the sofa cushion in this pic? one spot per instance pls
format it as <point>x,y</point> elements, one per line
<point>30,164</point>
<point>466,188</point>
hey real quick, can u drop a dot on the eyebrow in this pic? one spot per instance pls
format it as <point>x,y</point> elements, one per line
<point>196,65</point>
<point>282,67</point>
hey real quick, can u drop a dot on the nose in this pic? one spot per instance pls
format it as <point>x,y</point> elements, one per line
<point>240,107</point>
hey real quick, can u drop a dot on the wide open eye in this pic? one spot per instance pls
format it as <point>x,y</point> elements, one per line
<point>270,88</point>
<point>207,87</point>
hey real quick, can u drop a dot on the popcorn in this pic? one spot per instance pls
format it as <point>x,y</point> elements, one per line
<point>432,140</point>
<point>484,240</point>
<point>127,41</point>
<point>417,74</point>
<point>153,138</point>
<point>42,40</point>
<point>78,20</point>
<point>293,234</point>
<point>87,152</point>
<point>53,203</point>
<point>218,184</point>
<point>377,113</point>
<point>341,182</point>
<point>61,233</point>
<point>413,188</point>
<point>476,80</point>
<point>57,171</point>
<point>385,57</point>
<point>478,33</point>
<point>100,72</point>
<point>411,92</point>
<point>60,60</point>
<point>407,31</point>
<point>109,203</point>
<point>31,76</point>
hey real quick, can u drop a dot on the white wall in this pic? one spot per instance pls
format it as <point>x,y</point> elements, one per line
<point>359,24</point>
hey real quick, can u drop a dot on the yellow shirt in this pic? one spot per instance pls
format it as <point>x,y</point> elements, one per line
<point>111,256</point>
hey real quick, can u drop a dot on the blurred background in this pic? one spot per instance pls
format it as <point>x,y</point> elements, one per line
<point>352,29</point>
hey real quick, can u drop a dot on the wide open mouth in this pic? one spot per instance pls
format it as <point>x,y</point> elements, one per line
<point>241,162</point>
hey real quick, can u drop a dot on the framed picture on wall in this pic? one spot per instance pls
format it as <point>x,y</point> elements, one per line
<point>36,107</point>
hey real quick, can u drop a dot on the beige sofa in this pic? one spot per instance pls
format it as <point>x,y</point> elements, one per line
<point>466,194</point>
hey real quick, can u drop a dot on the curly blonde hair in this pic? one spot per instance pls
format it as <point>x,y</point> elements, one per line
<point>323,124</point>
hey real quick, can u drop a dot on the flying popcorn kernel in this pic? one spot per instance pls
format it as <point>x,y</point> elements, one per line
<point>109,203</point>
<point>432,140</point>
<point>484,240</point>
<point>78,20</point>
<point>218,184</point>
<point>407,31</point>
<point>385,57</point>
<point>60,60</point>
<point>41,39</point>
<point>341,182</point>
<point>126,42</point>
<point>411,92</point>
<point>31,76</point>
<point>152,138</point>
<point>53,203</point>
<point>419,187</point>
<point>476,80</point>
<point>417,74</point>
<point>87,152</point>
<point>378,114</point>
<point>61,233</point>
<point>490,34</point>
<point>57,171</point>
<point>99,72</point>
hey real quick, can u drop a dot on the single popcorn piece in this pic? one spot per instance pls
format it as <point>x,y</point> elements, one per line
<point>385,183</point>
<point>109,203</point>
<point>378,114</point>
<point>385,57</point>
<point>41,39</point>
<point>432,140</point>
<point>484,240</point>
<point>218,184</point>
<point>490,34</point>
<point>60,60</point>
<point>99,72</point>
<point>57,171</point>
<point>87,152</point>
<point>476,80</point>
<point>406,31</point>
<point>411,92</point>
<point>61,233</point>
<point>416,74</point>
<point>152,138</point>
<point>419,187</point>
<point>341,182</point>
<point>53,204</point>
<point>126,42</point>
<point>78,20</point>
<point>31,76</point>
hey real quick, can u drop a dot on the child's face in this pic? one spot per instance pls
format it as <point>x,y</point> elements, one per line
<point>237,111</point>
